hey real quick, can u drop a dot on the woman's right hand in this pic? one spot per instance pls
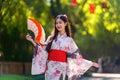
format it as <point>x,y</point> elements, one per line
<point>29,38</point>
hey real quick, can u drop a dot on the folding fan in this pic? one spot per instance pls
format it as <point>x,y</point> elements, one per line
<point>37,29</point>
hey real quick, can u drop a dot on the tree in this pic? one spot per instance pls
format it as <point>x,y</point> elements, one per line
<point>95,25</point>
<point>13,21</point>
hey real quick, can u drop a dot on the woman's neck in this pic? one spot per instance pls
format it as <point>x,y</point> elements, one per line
<point>61,33</point>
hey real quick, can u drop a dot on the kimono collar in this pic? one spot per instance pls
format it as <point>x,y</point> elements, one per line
<point>62,36</point>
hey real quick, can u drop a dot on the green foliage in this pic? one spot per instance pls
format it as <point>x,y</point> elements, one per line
<point>95,33</point>
<point>13,20</point>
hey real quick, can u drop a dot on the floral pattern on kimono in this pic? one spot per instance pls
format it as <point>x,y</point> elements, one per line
<point>77,66</point>
<point>73,67</point>
<point>39,60</point>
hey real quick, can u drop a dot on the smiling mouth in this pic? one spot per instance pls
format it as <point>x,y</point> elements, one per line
<point>59,27</point>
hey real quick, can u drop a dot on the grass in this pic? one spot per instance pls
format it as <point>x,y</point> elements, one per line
<point>21,77</point>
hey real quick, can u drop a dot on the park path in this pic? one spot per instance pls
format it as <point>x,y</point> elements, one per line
<point>102,76</point>
<point>93,78</point>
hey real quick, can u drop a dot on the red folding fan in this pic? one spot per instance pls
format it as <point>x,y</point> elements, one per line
<point>37,29</point>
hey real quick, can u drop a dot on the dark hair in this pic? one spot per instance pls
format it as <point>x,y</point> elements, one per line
<point>55,33</point>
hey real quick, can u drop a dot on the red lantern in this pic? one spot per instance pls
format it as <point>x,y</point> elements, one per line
<point>92,8</point>
<point>74,3</point>
<point>104,5</point>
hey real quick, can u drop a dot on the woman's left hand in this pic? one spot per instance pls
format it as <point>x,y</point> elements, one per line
<point>96,65</point>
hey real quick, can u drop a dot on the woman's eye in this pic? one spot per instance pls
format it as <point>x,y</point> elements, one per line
<point>60,22</point>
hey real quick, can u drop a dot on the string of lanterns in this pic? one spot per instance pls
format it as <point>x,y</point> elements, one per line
<point>92,6</point>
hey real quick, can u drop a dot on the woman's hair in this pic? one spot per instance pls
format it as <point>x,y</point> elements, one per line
<point>64,18</point>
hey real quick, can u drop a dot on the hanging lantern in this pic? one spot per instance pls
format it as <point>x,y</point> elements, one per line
<point>92,8</point>
<point>74,3</point>
<point>104,5</point>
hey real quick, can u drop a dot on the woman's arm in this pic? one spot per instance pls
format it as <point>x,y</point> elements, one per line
<point>76,54</point>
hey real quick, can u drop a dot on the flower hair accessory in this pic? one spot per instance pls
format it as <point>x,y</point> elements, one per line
<point>65,15</point>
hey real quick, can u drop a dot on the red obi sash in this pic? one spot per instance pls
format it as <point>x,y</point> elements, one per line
<point>57,55</point>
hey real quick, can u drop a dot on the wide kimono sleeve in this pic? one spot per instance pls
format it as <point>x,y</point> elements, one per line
<point>76,66</point>
<point>39,59</point>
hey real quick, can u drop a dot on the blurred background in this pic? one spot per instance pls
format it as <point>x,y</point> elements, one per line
<point>95,26</point>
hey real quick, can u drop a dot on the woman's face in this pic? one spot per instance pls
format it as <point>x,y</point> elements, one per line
<point>60,25</point>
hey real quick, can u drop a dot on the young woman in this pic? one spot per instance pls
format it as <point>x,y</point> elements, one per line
<point>63,54</point>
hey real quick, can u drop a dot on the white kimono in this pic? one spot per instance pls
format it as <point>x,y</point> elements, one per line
<point>56,70</point>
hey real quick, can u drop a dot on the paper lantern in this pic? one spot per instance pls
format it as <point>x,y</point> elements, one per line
<point>74,3</point>
<point>92,8</point>
<point>104,5</point>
